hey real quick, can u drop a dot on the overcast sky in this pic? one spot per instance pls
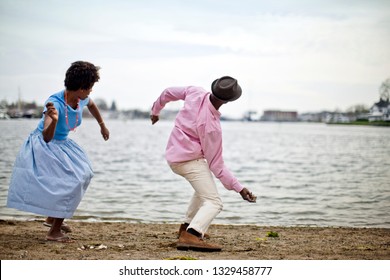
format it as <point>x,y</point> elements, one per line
<point>302,55</point>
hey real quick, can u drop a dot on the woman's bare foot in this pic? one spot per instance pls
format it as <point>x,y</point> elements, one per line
<point>64,227</point>
<point>55,233</point>
<point>63,239</point>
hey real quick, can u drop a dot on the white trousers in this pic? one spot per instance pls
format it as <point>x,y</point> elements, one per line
<point>206,203</point>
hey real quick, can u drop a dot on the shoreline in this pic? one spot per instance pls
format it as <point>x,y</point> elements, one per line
<point>112,220</point>
<point>25,240</point>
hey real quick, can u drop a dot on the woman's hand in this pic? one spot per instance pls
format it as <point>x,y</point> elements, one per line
<point>51,111</point>
<point>104,131</point>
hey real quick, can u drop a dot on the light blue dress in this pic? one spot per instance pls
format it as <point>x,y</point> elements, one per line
<point>50,179</point>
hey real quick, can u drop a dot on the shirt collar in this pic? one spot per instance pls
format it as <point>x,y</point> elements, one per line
<point>211,107</point>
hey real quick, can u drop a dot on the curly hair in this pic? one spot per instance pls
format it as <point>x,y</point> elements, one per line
<point>81,75</point>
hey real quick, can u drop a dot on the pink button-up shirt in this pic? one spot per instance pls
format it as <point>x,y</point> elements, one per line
<point>197,132</point>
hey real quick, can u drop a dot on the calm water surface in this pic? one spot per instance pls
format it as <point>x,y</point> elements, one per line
<point>302,174</point>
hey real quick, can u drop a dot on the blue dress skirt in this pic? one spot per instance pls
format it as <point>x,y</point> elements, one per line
<point>49,179</point>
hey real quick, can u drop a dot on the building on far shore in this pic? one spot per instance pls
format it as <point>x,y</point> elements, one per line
<point>380,111</point>
<point>279,116</point>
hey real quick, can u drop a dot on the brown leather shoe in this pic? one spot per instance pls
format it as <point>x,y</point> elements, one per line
<point>183,227</point>
<point>188,241</point>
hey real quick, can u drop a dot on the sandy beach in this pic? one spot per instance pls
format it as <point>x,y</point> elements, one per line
<point>25,240</point>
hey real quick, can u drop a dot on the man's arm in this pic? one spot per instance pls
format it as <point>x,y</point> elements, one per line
<point>168,95</point>
<point>212,148</point>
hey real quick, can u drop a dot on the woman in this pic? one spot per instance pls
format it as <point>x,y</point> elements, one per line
<point>51,172</point>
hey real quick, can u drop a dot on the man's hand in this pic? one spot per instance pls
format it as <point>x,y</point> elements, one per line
<point>247,195</point>
<point>154,118</point>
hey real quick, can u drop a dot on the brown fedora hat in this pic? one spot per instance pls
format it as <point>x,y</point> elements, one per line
<point>226,88</point>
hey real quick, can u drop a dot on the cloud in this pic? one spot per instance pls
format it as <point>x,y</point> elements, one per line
<point>303,55</point>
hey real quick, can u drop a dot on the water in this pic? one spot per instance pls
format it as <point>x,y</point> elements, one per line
<point>302,174</point>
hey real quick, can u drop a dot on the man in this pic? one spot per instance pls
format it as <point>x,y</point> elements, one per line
<point>194,150</point>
